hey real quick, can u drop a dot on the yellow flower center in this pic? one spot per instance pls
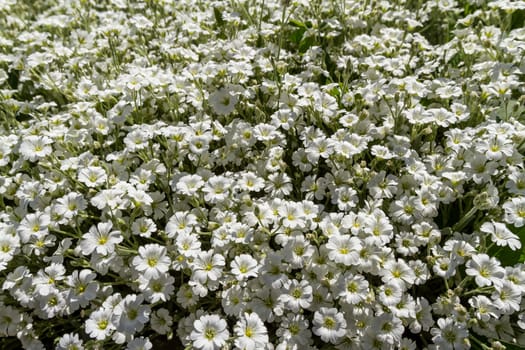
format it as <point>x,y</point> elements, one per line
<point>248,332</point>
<point>329,322</point>
<point>152,262</point>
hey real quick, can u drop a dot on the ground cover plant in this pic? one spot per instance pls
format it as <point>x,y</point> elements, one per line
<point>276,174</point>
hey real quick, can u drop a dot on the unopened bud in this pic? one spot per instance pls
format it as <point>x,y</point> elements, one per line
<point>473,322</point>
<point>481,201</point>
<point>427,131</point>
<point>496,345</point>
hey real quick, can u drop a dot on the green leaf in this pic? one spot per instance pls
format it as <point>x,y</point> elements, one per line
<point>521,234</point>
<point>513,346</point>
<point>23,117</point>
<point>511,109</point>
<point>507,256</point>
<point>297,35</point>
<point>306,43</point>
<point>518,19</point>
<point>511,257</point>
<point>218,16</point>
<point>13,78</point>
<point>296,23</point>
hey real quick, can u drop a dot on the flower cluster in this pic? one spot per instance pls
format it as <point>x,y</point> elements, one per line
<point>262,174</point>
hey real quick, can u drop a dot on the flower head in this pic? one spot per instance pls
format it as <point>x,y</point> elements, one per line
<point>209,333</point>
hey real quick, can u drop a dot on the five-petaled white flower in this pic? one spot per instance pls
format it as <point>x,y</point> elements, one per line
<point>210,332</point>
<point>485,269</point>
<point>100,239</point>
<point>152,261</point>
<point>329,324</point>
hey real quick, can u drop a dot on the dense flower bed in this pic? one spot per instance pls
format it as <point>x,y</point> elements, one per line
<point>328,174</point>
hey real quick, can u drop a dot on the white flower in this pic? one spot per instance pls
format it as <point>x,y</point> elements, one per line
<point>485,269</point>
<point>223,101</point>
<point>34,225</point>
<point>516,183</point>
<point>297,250</point>
<point>143,227</point>
<point>70,341</point>
<point>407,344</point>
<point>480,169</point>
<point>516,275</point>
<point>99,325</point>
<point>501,235</point>
<point>129,315</point>
<point>152,261</point>
<point>329,324</point>
<point>140,343</point>
<point>70,205</point>
<point>108,199</point>
<point>352,288</point>
<point>139,198</point>
<point>423,319</point>
<point>180,222</point>
<point>9,246</point>
<point>484,308</point>
<point>450,334</point>
<point>35,147</point>
<point>278,185</point>
<point>161,321</point>
<point>101,263</point>
<point>207,266</point>
<point>298,295</point>
<point>507,297</point>
<point>294,330</point>
<point>157,289</point>
<point>496,148</point>
<point>137,139</point>
<point>92,176</point>
<point>441,116</point>
<point>390,293</point>
<point>83,287</point>
<point>292,215</point>
<point>188,185</point>
<point>10,319</point>
<point>188,244</point>
<point>51,305</point>
<point>234,300</point>
<point>300,160</point>
<point>199,144</point>
<point>397,272</point>
<point>387,328</point>
<point>515,211</point>
<point>187,295</point>
<point>244,266</point>
<point>209,333</point>
<point>459,250</point>
<point>46,280</point>
<point>217,189</point>
<point>100,239</point>
<point>344,249</point>
<point>251,332</point>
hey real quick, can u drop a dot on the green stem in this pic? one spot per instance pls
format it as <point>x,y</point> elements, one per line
<point>478,291</point>
<point>479,343</point>
<point>465,219</point>
<point>68,234</point>
<point>464,281</point>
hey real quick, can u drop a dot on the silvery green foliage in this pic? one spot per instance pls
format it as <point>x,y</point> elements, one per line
<point>262,174</point>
